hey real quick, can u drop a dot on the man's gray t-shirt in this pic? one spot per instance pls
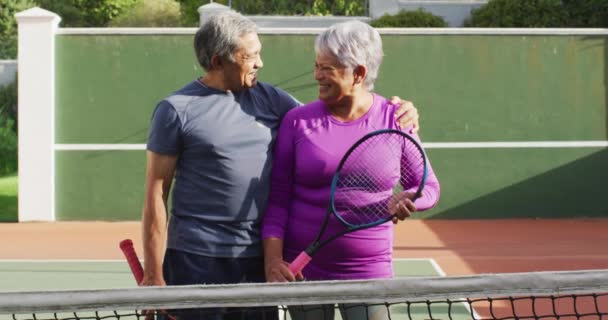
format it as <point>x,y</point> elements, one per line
<point>223,141</point>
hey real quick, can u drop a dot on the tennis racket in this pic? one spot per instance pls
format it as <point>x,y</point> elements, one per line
<point>138,273</point>
<point>376,173</point>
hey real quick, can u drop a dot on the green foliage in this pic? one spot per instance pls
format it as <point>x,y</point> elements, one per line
<point>150,13</point>
<point>104,11</point>
<point>410,19</point>
<point>86,13</point>
<point>519,14</point>
<point>279,7</point>
<point>8,198</point>
<point>541,14</point>
<point>189,13</point>
<point>299,7</point>
<point>70,14</point>
<point>587,13</point>
<point>8,129</point>
<point>8,26</point>
<point>336,8</point>
<point>8,146</point>
<point>8,101</point>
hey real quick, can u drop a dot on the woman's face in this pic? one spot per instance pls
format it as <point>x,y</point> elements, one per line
<point>336,82</point>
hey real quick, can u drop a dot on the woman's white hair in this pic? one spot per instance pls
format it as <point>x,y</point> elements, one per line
<point>353,43</point>
<point>220,36</point>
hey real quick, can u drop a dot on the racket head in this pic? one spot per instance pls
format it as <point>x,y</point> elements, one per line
<point>378,166</point>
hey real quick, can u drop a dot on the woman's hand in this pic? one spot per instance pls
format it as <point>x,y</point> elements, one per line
<point>277,270</point>
<point>402,206</point>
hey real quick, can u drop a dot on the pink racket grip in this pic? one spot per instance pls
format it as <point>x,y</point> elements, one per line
<point>127,248</point>
<point>299,263</point>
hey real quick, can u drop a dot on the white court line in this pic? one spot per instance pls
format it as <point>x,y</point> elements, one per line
<point>99,147</point>
<point>516,144</point>
<point>428,145</point>
<point>432,261</point>
<point>442,273</point>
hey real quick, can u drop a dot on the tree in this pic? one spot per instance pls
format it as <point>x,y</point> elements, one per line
<point>587,13</point>
<point>519,14</point>
<point>279,7</point>
<point>8,128</point>
<point>8,26</point>
<point>410,19</point>
<point>86,13</point>
<point>150,13</point>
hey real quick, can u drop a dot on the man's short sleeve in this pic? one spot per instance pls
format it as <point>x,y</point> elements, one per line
<point>286,101</point>
<point>164,136</point>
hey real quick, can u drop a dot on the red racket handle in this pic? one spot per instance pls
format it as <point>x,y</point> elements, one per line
<point>138,272</point>
<point>127,248</point>
<point>299,263</point>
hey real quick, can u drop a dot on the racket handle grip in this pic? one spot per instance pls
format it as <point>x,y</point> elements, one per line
<point>299,263</point>
<point>127,248</point>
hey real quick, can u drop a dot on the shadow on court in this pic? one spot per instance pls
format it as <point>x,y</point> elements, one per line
<point>575,189</point>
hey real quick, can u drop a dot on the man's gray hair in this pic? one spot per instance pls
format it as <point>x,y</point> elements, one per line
<point>220,36</point>
<point>353,43</point>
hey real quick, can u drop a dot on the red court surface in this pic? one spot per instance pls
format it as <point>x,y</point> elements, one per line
<point>458,246</point>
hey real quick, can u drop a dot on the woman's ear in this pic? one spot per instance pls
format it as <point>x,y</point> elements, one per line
<point>359,73</point>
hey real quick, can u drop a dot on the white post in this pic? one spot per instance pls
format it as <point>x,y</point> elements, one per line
<point>36,67</point>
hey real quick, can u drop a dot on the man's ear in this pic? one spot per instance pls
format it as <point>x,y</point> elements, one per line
<point>216,62</point>
<point>359,73</point>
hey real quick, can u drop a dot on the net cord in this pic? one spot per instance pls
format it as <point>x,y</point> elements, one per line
<point>313,292</point>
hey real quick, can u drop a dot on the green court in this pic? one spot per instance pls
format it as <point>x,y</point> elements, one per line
<point>35,275</point>
<point>28,275</point>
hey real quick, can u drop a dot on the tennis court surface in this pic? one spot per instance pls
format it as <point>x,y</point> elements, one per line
<point>28,275</point>
<point>463,249</point>
<point>65,275</point>
<point>83,289</point>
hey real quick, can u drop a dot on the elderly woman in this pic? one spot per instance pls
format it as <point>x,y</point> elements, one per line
<point>311,141</point>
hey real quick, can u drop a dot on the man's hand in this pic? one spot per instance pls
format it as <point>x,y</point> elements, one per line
<point>153,281</point>
<point>407,114</point>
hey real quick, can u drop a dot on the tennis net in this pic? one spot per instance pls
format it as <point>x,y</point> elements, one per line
<point>556,295</point>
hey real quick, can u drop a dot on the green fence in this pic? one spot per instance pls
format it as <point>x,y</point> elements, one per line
<point>542,92</point>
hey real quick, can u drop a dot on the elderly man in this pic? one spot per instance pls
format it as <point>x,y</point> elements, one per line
<point>214,137</point>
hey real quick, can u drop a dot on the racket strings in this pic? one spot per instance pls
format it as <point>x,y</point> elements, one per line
<point>369,177</point>
<point>413,166</point>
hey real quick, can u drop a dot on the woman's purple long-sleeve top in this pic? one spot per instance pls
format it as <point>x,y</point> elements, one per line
<point>308,149</point>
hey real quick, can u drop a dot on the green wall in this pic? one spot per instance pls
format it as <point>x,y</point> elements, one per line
<point>99,185</point>
<point>468,88</point>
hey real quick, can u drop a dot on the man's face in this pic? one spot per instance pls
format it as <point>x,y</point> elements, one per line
<point>242,73</point>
